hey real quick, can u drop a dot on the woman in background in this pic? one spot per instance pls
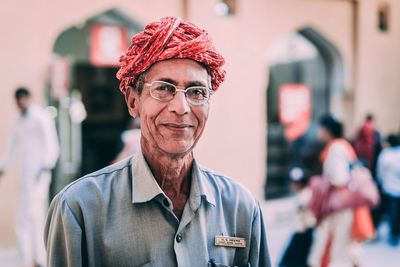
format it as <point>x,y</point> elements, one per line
<point>333,244</point>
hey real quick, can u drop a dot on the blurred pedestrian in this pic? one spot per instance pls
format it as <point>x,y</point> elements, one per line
<point>388,171</point>
<point>367,143</point>
<point>297,251</point>
<point>130,139</point>
<point>35,136</point>
<point>333,243</point>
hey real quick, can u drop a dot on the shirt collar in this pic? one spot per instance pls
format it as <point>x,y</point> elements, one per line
<point>201,187</point>
<point>144,185</point>
<point>146,188</point>
<point>28,112</point>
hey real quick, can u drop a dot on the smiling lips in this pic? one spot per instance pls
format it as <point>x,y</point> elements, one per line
<point>177,126</point>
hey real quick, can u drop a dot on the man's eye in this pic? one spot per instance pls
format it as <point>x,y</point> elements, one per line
<point>165,88</point>
<point>199,92</point>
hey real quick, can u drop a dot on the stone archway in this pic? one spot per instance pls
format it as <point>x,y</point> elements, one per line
<point>92,143</point>
<point>304,57</point>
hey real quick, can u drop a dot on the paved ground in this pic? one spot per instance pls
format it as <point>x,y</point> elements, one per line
<point>279,220</point>
<point>8,258</point>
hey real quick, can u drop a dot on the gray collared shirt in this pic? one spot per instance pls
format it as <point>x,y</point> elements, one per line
<point>119,216</point>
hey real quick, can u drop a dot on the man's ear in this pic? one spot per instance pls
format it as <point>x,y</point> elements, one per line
<point>132,101</point>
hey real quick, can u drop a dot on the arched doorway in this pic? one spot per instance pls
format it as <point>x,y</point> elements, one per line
<point>91,111</point>
<point>305,68</point>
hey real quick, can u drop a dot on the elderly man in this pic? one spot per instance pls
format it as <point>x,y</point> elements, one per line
<point>160,207</point>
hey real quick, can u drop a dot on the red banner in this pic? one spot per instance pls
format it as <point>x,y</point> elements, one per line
<point>295,109</point>
<point>107,43</point>
<point>59,77</point>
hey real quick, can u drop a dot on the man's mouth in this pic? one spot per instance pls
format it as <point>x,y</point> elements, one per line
<point>177,125</point>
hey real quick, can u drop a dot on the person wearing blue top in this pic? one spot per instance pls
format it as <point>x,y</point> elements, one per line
<point>388,173</point>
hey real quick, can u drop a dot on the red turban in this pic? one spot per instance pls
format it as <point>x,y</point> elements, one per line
<point>167,39</point>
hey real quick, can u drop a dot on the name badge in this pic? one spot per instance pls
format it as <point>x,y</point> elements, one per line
<point>230,241</point>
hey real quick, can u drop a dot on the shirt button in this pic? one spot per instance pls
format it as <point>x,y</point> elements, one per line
<point>166,202</point>
<point>178,238</point>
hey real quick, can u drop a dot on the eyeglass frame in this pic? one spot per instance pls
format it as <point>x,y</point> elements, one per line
<point>177,89</point>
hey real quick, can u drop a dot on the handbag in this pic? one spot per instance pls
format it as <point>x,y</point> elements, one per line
<point>360,191</point>
<point>363,227</point>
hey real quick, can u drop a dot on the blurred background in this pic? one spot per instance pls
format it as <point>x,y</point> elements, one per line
<point>287,61</point>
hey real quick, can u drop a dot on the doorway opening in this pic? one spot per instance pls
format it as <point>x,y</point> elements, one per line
<point>305,68</point>
<point>106,117</point>
<point>92,112</point>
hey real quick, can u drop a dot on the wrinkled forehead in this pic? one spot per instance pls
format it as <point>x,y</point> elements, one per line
<point>179,71</point>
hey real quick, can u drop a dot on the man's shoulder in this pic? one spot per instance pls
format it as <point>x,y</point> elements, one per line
<point>392,152</point>
<point>39,113</point>
<point>36,110</point>
<point>97,184</point>
<point>228,189</point>
<point>389,151</point>
<point>396,149</point>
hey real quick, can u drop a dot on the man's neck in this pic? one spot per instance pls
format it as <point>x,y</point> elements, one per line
<point>172,173</point>
<point>24,112</point>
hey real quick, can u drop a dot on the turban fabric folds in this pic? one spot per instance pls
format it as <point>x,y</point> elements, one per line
<point>169,38</point>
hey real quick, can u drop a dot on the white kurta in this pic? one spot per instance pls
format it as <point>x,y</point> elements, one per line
<point>35,137</point>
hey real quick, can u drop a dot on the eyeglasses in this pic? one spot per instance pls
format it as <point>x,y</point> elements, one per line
<point>165,92</point>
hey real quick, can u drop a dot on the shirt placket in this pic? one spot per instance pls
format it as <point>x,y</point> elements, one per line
<point>184,251</point>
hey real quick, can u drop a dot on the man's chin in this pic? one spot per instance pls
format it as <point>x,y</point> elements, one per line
<point>177,148</point>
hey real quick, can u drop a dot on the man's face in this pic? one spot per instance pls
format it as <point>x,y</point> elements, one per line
<point>23,103</point>
<point>173,127</point>
<point>323,135</point>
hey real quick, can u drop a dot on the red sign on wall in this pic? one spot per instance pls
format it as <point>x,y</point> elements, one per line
<point>107,43</point>
<point>59,77</point>
<point>295,109</point>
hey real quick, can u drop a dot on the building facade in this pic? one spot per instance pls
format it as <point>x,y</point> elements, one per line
<point>355,42</point>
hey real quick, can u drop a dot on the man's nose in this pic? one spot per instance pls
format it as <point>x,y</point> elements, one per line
<point>179,104</point>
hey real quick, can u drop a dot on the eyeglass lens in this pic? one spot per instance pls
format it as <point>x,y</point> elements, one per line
<point>164,91</point>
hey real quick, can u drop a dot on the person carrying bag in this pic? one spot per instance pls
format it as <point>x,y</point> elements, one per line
<point>340,201</point>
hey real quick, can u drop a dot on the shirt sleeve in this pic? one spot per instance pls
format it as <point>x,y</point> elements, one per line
<point>50,140</point>
<point>63,236</point>
<point>380,169</point>
<point>9,152</point>
<point>259,255</point>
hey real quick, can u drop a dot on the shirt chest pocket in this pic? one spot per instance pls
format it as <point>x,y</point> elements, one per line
<point>228,257</point>
<point>213,263</point>
<point>228,249</point>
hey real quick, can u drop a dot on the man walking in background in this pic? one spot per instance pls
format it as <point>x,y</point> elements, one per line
<point>367,143</point>
<point>35,136</point>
